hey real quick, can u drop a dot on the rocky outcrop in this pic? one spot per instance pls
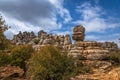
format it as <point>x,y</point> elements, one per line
<point>91,53</point>
<point>78,33</point>
<point>43,39</point>
<point>64,41</point>
<point>111,46</point>
<point>23,38</point>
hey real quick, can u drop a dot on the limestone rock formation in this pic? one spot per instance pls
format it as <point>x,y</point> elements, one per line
<point>42,34</point>
<point>91,52</point>
<point>23,38</point>
<point>43,39</point>
<point>78,33</point>
<point>110,46</point>
<point>67,40</point>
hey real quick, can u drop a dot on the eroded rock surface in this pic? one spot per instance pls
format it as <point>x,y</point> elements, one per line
<point>78,33</point>
<point>10,72</point>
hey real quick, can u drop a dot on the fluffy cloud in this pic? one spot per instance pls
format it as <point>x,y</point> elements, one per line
<point>92,17</point>
<point>64,13</point>
<point>30,15</point>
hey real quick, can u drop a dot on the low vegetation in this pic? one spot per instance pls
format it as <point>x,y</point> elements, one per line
<point>50,64</point>
<point>4,59</point>
<point>115,57</point>
<point>20,54</point>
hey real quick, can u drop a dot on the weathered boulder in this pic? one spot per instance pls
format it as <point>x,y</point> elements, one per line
<point>78,33</point>
<point>10,71</point>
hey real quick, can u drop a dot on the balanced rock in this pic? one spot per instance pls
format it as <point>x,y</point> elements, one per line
<point>78,33</point>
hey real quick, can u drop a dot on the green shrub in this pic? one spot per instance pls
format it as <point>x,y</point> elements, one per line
<point>50,64</point>
<point>115,57</point>
<point>20,54</point>
<point>4,59</point>
<point>82,68</point>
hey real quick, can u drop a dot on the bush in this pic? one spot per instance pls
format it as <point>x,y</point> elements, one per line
<point>82,68</point>
<point>50,64</point>
<point>4,59</point>
<point>20,54</point>
<point>115,57</point>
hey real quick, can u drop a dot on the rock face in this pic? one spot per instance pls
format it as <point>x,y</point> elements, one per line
<point>78,33</point>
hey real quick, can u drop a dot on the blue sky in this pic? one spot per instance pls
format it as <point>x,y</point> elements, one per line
<point>100,17</point>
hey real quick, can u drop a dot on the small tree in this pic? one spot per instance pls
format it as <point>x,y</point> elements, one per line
<point>20,54</point>
<point>115,57</point>
<point>4,42</point>
<point>50,64</point>
<point>4,59</point>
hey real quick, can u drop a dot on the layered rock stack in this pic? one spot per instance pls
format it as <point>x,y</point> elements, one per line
<point>90,52</point>
<point>78,33</point>
<point>23,38</point>
<point>43,39</point>
<point>111,46</point>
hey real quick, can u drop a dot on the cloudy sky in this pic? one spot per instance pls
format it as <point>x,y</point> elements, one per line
<point>101,18</point>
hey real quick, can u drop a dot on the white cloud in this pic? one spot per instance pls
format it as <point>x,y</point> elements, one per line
<point>17,26</point>
<point>42,15</point>
<point>93,18</point>
<point>64,13</point>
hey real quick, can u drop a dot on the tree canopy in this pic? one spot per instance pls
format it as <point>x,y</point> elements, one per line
<point>3,40</point>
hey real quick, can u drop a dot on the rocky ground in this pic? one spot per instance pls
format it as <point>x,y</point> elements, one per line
<point>114,74</point>
<point>15,73</point>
